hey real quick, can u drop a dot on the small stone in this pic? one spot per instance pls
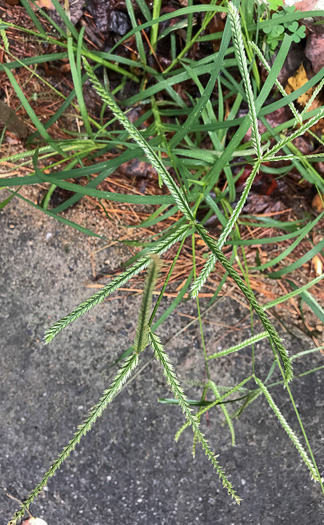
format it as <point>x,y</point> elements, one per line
<point>314,51</point>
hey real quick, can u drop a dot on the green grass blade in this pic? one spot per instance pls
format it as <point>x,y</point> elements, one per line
<point>67,22</point>
<point>6,201</point>
<point>72,224</point>
<point>33,16</point>
<point>155,28</point>
<point>142,330</point>
<point>296,291</point>
<point>27,106</point>
<point>278,84</point>
<point>174,14</point>
<point>100,194</point>
<point>196,112</point>
<point>138,36</point>
<point>77,82</point>
<point>304,259</point>
<point>302,234</point>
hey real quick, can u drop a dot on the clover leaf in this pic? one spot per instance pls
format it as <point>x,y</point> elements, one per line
<point>299,34</point>
<point>293,27</point>
<point>289,10</point>
<point>275,32</point>
<point>274,4</point>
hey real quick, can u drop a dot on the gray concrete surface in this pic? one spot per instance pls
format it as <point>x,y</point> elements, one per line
<point>129,470</point>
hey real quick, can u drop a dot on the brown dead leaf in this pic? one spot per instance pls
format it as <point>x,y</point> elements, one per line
<point>41,4</point>
<point>200,242</point>
<point>297,81</point>
<point>317,203</point>
<point>317,265</point>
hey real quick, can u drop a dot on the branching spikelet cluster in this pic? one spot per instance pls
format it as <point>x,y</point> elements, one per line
<point>273,335</point>
<point>243,65</point>
<point>287,428</point>
<point>300,131</point>
<point>155,161</point>
<point>262,59</point>
<point>143,333</point>
<point>202,410</point>
<point>247,342</point>
<point>128,366</point>
<point>177,390</point>
<point>116,283</point>
<point>209,265</point>
<point>174,190</point>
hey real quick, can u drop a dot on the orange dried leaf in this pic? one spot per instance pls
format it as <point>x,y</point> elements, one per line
<point>200,242</point>
<point>317,264</point>
<point>297,81</point>
<point>46,4</point>
<point>317,202</point>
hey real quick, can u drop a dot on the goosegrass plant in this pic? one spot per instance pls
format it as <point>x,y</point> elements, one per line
<point>193,192</point>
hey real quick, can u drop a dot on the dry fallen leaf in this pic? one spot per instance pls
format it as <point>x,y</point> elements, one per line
<point>297,81</point>
<point>317,203</point>
<point>41,4</point>
<point>200,242</point>
<point>317,264</point>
